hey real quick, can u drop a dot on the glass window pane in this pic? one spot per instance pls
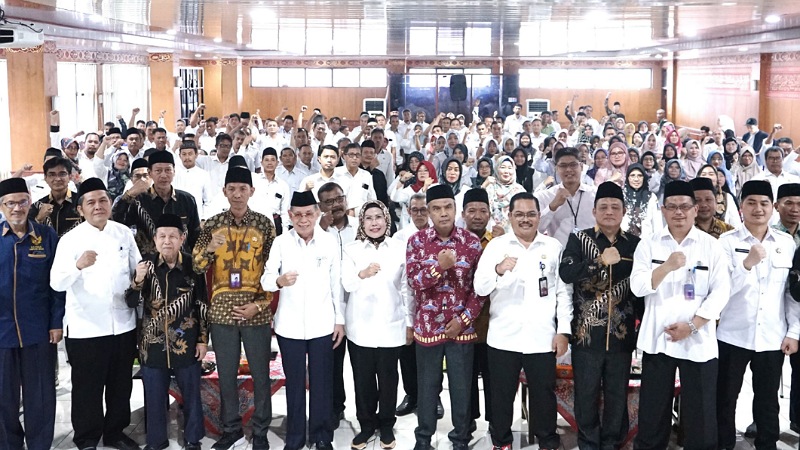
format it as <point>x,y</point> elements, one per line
<point>529,78</point>
<point>529,39</point>
<point>421,81</point>
<point>345,34</point>
<point>478,41</point>
<point>373,37</point>
<point>486,71</point>
<point>373,77</point>
<point>318,78</point>
<point>553,78</point>
<point>291,77</point>
<point>319,37</point>
<point>264,38</point>
<point>480,80</point>
<point>422,40</point>
<point>292,38</point>
<point>580,78</point>
<point>346,78</point>
<point>450,41</point>
<point>263,77</point>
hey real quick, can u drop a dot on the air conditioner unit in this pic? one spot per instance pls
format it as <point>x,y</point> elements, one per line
<point>374,106</point>
<point>534,107</point>
<point>18,36</point>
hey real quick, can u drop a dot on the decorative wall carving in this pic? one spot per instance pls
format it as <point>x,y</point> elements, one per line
<point>90,56</point>
<point>790,57</point>
<point>160,57</point>
<point>722,60</point>
<point>316,63</point>
<point>736,80</point>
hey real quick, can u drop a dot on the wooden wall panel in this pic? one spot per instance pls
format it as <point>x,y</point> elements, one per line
<point>782,88</point>
<point>343,102</point>
<point>212,90</point>
<point>29,77</point>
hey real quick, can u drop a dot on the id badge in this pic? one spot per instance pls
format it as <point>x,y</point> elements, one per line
<point>688,291</point>
<point>543,287</point>
<point>235,281</point>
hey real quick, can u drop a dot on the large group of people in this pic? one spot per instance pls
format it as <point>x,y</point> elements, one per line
<point>499,246</point>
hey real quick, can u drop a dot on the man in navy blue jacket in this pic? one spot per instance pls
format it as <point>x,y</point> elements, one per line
<point>755,138</point>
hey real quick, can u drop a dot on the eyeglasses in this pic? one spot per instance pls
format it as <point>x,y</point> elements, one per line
<point>572,166</point>
<point>331,201</point>
<point>522,215</point>
<point>13,205</point>
<point>58,175</point>
<point>418,211</point>
<point>303,216</point>
<point>673,207</point>
<point>774,158</point>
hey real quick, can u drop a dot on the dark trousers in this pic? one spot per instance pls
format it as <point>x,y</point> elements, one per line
<point>408,370</point>
<point>375,380</point>
<point>766,368</point>
<point>320,386</point>
<point>101,368</point>
<point>156,391</point>
<point>339,395</point>
<point>698,402</point>
<point>480,365</point>
<point>227,341</point>
<point>596,372</point>
<point>794,390</point>
<point>32,368</point>
<point>540,371</point>
<point>429,379</point>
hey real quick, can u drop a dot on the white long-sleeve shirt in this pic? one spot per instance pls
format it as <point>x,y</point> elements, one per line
<point>293,178</point>
<point>520,320</point>
<point>271,197</point>
<point>197,182</point>
<point>96,295</point>
<point>379,308</point>
<point>313,305</point>
<point>358,188</point>
<point>667,305</point>
<point>574,214</point>
<point>760,312</point>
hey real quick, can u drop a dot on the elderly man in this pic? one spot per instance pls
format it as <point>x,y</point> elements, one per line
<point>234,245</point>
<point>31,314</point>
<point>304,265</point>
<point>174,334</point>
<point>94,264</point>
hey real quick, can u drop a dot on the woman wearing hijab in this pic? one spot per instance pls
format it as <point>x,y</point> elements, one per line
<point>643,127</point>
<point>500,189</point>
<point>461,153</point>
<point>651,170</point>
<point>525,144</point>
<point>425,176</point>
<point>524,172</point>
<point>600,159</point>
<point>716,159</point>
<point>637,140</point>
<point>745,169</point>
<point>508,145</point>
<point>633,154</point>
<point>450,175</point>
<point>618,162</point>
<point>485,170</point>
<point>378,316</point>
<point>669,152</point>
<point>727,210</point>
<point>673,171</point>
<point>694,159</point>
<point>489,149</point>
<point>119,174</point>
<point>651,143</point>
<point>641,206</point>
<point>672,137</point>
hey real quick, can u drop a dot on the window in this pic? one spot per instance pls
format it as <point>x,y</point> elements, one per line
<point>373,77</point>
<point>292,77</point>
<point>422,41</point>
<point>125,87</point>
<point>263,77</point>
<point>319,78</point>
<point>346,78</point>
<point>478,41</point>
<point>78,97</point>
<point>300,77</point>
<point>586,78</point>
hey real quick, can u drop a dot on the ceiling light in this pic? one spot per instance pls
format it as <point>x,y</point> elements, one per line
<point>197,55</point>
<point>217,40</point>
<point>658,55</point>
<point>729,4</point>
<point>772,18</point>
<point>172,32</point>
<point>452,57</point>
<point>689,33</point>
<point>743,49</point>
<point>516,43</point>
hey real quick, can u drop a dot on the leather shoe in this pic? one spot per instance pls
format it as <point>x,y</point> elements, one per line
<point>794,427</point>
<point>195,446</point>
<point>126,443</point>
<point>751,431</point>
<point>161,446</point>
<point>422,446</point>
<point>439,409</point>
<point>406,407</point>
<point>321,445</point>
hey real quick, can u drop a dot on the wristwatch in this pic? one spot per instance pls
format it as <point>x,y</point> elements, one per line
<point>693,328</point>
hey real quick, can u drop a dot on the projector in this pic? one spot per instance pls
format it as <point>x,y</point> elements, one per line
<point>19,36</point>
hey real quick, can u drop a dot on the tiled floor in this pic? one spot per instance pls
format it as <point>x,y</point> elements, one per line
<point>404,429</point>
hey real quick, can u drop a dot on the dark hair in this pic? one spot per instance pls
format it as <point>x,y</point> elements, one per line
<point>284,149</point>
<point>545,112</point>
<point>784,140</point>
<point>134,131</point>
<point>327,147</point>
<point>567,151</point>
<point>288,117</point>
<point>151,122</point>
<point>109,124</point>
<point>56,162</point>
<point>223,137</point>
<point>91,134</point>
<point>772,149</point>
<point>235,115</point>
<point>522,196</point>
<point>141,122</point>
<point>351,146</point>
<point>617,104</point>
<point>159,130</point>
<point>705,128</point>
<point>328,187</point>
<point>212,119</point>
<point>335,118</point>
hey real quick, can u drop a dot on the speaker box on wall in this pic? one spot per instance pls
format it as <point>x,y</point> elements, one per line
<point>458,88</point>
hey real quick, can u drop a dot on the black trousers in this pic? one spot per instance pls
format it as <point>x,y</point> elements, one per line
<point>101,369</point>
<point>480,365</point>
<point>339,395</point>
<point>766,368</point>
<point>540,371</point>
<point>598,372</point>
<point>698,402</point>
<point>794,392</point>
<point>408,370</point>
<point>375,381</point>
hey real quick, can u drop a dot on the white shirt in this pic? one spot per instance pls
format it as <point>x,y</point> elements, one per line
<point>206,142</point>
<point>520,320</point>
<point>385,163</point>
<point>87,166</point>
<point>575,213</point>
<point>760,312</point>
<point>197,182</point>
<point>278,142</point>
<point>666,305</point>
<point>358,188</point>
<point>379,308</point>
<point>216,169</point>
<point>293,178</point>
<point>776,181</point>
<point>405,233</point>
<point>96,295</point>
<point>313,305</point>
<point>271,197</point>
<point>318,181</point>
<point>513,124</point>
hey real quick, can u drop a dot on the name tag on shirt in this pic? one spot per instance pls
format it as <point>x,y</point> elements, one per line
<point>741,250</point>
<point>657,261</point>
<point>278,195</point>
<point>365,186</point>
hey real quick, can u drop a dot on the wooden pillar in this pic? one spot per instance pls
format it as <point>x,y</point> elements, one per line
<point>765,121</point>
<point>231,85</point>
<point>163,92</point>
<point>32,83</point>
<point>212,89</point>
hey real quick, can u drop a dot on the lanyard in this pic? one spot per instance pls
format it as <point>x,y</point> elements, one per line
<point>575,211</point>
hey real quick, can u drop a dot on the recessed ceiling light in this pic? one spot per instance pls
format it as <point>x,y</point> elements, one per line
<point>658,55</point>
<point>197,55</point>
<point>452,57</point>
<point>743,49</point>
<point>217,40</point>
<point>516,43</point>
<point>729,4</point>
<point>172,32</point>
<point>772,18</point>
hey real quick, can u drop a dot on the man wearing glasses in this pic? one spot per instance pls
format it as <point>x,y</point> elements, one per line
<point>529,322</point>
<point>357,182</point>
<point>773,157</point>
<point>683,275</point>
<point>567,206</point>
<point>57,209</point>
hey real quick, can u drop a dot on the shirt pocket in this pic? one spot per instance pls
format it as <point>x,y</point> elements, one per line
<point>701,280</point>
<point>779,270</point>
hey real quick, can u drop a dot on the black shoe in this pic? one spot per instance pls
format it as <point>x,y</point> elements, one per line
<point>751,431</point>
<point>473,426</point>
<point>260,443</point>
<point>321,445</point>
<point>406,407</point>
<point>161,446</point>
<point>361,439</point>
<point>439,409</point>
<point>387,439</point>
<point>228,440</point>
<point>91,447</point>
<point>794,427</point>
<point>125,443</point>
<point>460,446</point>
<point>195,446</point>
<point>422,446</point>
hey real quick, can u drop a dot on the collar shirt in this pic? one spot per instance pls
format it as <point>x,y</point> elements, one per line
<point>196,182</point>
<point>520,318</point>
<point>574,214</point>
<point>344,236</point>
<point>443,295</point>
<point>598,129</point>
<point>795,236</point>
<point>318,180</point>
<point>708,268</point>
<point>271,198</point>
<point>95,296</point>
<point>405,233</point>
<point>311,307</point>
<point>251,155</point>
<point>64,216</point>
<point>354,133</point>
<point>513,124</point>
<point>776,181</point>
<point>215,168</point>
<point>86,165</point>
<point>379,308</point>
<point>358,188</point>
<point>760,312</point>
<point>594,284</point>
<point>286,135</point>
<point>29,307</point>
<point>333,138</point>
<point>313,168</point>
<point>292,177</point>
<point>206,142</point>
<point>536,141</point>
<point>385,163</point>
<point>278,142</point>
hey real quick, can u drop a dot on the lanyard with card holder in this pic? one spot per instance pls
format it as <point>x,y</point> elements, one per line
<point>543,291</point>
<point>235,273</point>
